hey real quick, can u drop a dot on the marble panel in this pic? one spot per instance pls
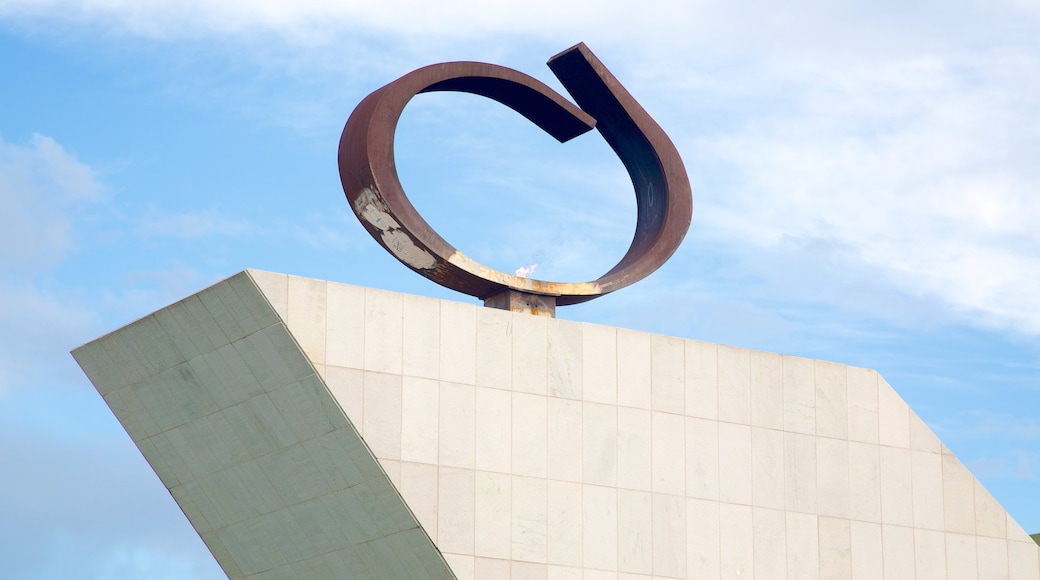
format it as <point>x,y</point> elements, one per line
<point>832,477</point>
<point>564,459</point>
<point>864,482</point>
<point>565,359</point>
<point>634,449</point>
<point>563,573</point>
<point>958,496</point>
<point>736,541</point>
<point>420,399</point>
<point>803,546</point>
<point>770,543</point>
<point>345,325</point>
<point>599,363</point>
<point>735,473</point>
<point>635,531</point>
<point>702,539</point>
<point>669,453</point>
<point>456,425</point>
<point>419,483</point>
<point>492,568</point>
<point>384,342</point>
<point>564,523</point>
<point>993,558</point>
<point>930,554</point>
<point>734,385</point>
<point>530,365</point>
<point>893,417</point>
<point>867,561</point>
<point>1015,531</point>
<point>599,526</point>
<point>307,308</point>
<point>421,337</point>
<point>767,468</point>
<point>458,364</point>
<point>961,557</point>
<point>456,510</point>
<point>1023,560</point>
<point>835,548</point>
<point>862,393</point>
<point>529,519</point>
<point>599,444</point>
<point>348,388</point>
<point>669,536</point>
<point>463,566</point>
<point>927,490</point>
<point>921,436</point>
<point>767,390</point>
<point>528,571</point>
<point>667,379</point>
<point>530,431</point>
<point>799,395</point>
<point>382,415</point>
<point>832,406</point>
<point>702,458</point>
<point>494,348</point>
<point>493,512</point>
<point>897,502</point>
<point>633,368</point>
<point>493,417</point>
<point>702,379</point>
<point>990,518</point>
<point>800,472</point>
<point>897,544</point>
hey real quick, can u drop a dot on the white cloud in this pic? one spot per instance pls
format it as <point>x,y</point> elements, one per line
<point>315,21</point>
<point>905,135</point>
<point>40,186</point>
<point>192,225</point>
<point>37,329</point>
<point>924,168</point>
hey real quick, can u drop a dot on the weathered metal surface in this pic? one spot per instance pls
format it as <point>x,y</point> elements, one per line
<point>663,198</point>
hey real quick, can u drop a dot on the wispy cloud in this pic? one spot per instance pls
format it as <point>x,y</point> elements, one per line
<point>41,186</point>
<point>193,225</point>
<point>923,169</point>
<point>998,426</point>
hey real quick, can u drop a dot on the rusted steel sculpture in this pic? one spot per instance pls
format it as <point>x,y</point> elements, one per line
<point>663,199</point>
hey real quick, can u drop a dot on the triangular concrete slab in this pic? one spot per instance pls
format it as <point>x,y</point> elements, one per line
<point>242,430</point>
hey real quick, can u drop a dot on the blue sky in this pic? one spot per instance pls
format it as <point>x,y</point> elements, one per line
<point>865,191</point>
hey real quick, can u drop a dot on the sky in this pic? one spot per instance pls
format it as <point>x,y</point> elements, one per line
<point>865,181</point>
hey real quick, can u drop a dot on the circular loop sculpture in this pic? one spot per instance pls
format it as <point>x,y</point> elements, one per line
<point>663,199</point>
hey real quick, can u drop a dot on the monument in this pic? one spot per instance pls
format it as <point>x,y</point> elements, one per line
<point>312,429</point>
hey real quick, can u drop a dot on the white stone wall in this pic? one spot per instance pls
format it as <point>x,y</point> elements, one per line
<point>541,448</point>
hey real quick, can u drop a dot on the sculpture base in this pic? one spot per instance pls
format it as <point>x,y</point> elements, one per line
<point>516,301</point>
<point>311,429</point>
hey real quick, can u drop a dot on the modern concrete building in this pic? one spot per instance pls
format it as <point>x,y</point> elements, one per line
<point>311,429</point>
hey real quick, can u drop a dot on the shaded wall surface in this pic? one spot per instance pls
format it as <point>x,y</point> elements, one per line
<point>313,429</point>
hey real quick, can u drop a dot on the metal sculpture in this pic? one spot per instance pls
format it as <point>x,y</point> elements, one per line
<point>663,199</point>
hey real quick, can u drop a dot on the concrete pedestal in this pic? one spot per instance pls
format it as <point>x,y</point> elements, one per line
<point>311,429</point>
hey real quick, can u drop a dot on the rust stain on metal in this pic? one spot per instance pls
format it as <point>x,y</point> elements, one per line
<point>663,199</point>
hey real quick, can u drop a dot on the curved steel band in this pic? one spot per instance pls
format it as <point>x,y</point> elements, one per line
<point>369,175</point>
